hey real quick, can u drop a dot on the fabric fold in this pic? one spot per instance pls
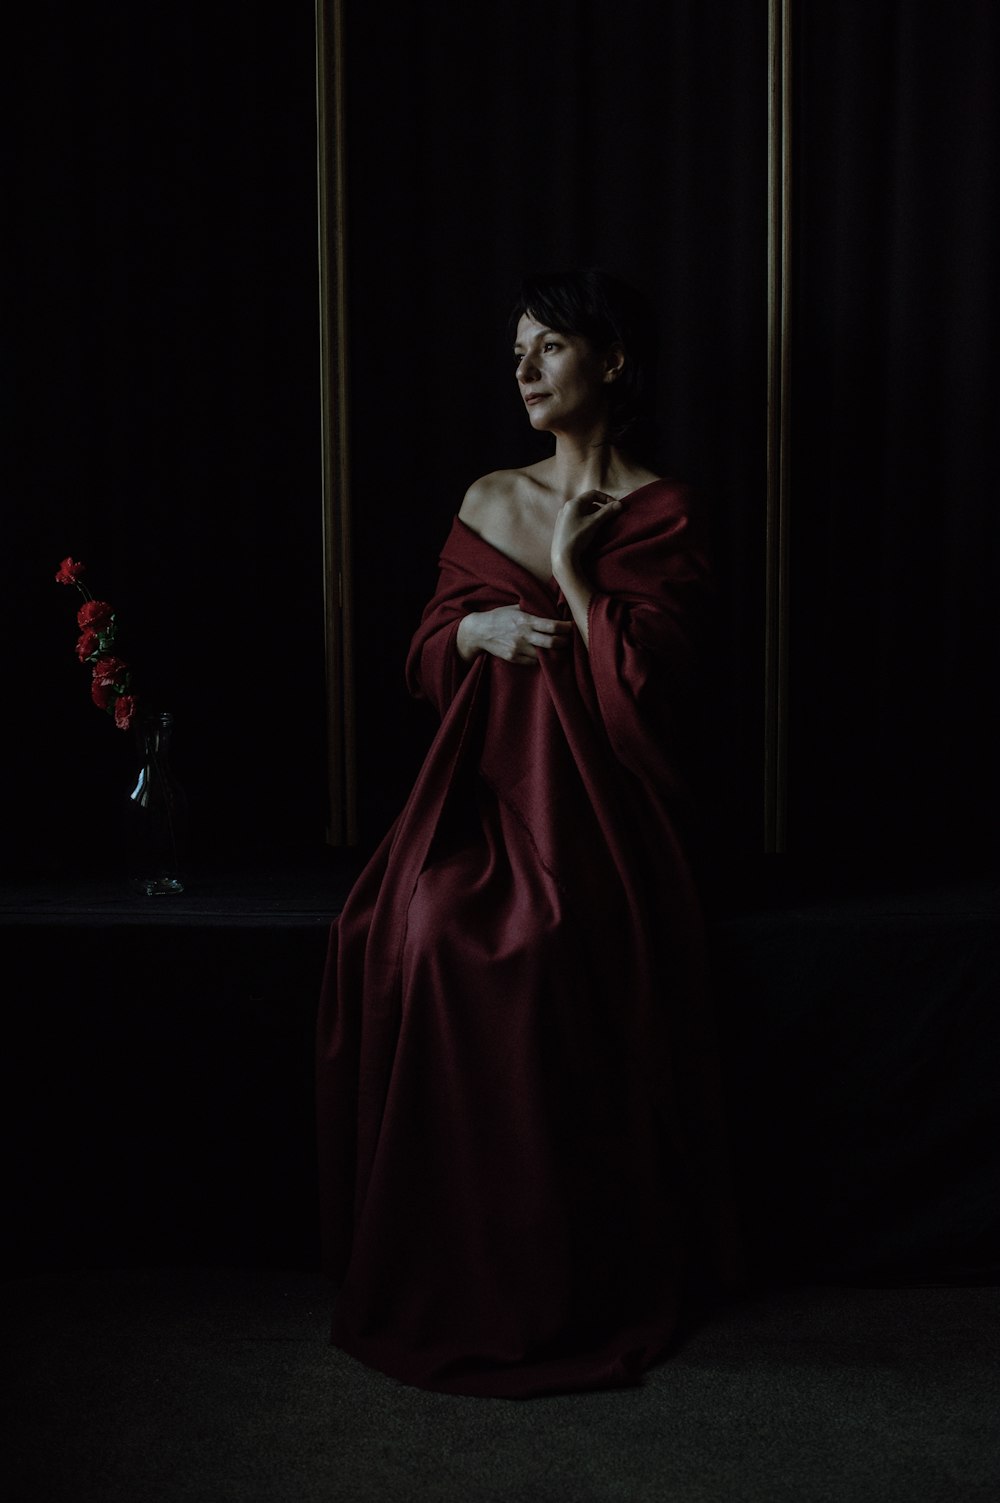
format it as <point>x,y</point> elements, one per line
<point>522,1157</point>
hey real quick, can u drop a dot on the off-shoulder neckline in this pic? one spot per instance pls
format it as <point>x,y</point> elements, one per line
<point>551,580</point>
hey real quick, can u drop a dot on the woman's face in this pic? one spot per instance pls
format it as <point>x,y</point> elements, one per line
<point>562,379</point>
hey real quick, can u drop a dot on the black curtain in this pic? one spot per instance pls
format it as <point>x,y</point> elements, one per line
<point>163,359</point>
<point>165,376</point>
<point>164,339</point>
<point>895,622</point>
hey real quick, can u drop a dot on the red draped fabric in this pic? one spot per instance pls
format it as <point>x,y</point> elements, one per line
<point>521,1151</point>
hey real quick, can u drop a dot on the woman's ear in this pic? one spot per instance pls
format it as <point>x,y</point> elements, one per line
<point>614,362</point>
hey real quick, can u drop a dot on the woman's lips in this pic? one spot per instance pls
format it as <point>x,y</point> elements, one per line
<point>535,396</point>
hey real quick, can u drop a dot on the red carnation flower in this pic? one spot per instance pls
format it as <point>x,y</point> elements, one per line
<point>111,676</point>
<point>69,572</point>
<point>88,644</point>
<point>110,679</point>
<point>103,695</point>
<point>110,672</point>
<point>94,613</point>
<point>125,708</point>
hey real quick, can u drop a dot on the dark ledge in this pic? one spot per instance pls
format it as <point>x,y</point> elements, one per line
<point>306,889</point>
<point>287,891</point>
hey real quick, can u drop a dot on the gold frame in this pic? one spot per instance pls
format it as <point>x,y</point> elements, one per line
<point>338,591</point>
<point>778,514</point>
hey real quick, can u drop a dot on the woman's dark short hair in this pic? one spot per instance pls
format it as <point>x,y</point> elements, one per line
<point>605,311</point>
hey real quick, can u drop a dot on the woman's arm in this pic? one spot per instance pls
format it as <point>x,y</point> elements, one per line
<point>576,526</point>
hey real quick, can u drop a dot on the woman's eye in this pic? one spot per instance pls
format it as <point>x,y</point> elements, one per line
<point>551,345</point>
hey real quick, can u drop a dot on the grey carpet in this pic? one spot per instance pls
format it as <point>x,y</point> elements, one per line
<point>219,1386</point>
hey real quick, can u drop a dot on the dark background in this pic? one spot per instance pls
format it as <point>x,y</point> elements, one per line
<point>163,363</point>
<point>167,418</point>
<point>165,378</point>
<point>895,619</point>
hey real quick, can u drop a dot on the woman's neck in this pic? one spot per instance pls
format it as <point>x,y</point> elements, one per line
<point>590,464</point>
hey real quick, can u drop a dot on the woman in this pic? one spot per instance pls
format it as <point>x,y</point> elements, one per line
<point>520,1151</point>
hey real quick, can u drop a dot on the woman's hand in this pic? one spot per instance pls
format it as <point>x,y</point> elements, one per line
<point>577,524</point>
<point>510,634</point>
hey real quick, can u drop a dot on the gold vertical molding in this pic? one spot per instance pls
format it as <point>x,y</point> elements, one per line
<point>337,576</point>
<point>779,296</point>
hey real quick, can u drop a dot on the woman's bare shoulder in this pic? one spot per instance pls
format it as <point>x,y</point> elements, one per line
<point>498,491</point>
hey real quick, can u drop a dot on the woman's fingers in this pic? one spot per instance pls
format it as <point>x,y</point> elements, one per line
<point>577,522</point>
<point>515,636</point>
<point>541,634</point>
<point>599,512</point>
<point>545,634</point>
<point>549,633</point>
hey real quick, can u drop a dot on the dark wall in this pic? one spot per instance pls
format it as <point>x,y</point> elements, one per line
<point>895,568</point>
<point>166,390</point>
<point>165,382</point>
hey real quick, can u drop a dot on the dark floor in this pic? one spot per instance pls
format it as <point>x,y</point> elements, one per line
<point>219,1386</point>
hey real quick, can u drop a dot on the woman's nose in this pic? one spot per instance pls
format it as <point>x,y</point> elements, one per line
<point>526,369</point>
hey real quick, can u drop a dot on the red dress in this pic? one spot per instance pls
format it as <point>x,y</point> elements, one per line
<point>521,1153</point>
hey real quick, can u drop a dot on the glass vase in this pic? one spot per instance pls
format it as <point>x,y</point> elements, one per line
<point>157,812</point>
